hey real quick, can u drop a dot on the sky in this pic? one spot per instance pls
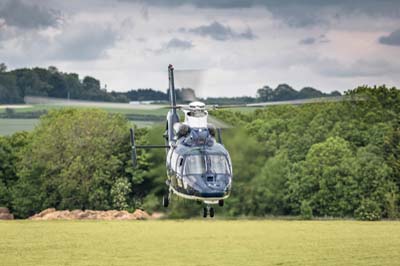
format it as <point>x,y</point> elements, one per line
<point>236,46</point>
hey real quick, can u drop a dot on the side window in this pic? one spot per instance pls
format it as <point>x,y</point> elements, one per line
<point>180,165</point>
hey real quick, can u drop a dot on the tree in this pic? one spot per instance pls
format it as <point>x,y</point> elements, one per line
<point>8,89</point>
<point>374,183</point>
<point>74,159</point>
<point>265,94</point>
<point>3,67</point>
<point>268,188</point>
<point>10,148</point>
<point>392,151</point>
<point>120,192</point>
<point>324,179</point>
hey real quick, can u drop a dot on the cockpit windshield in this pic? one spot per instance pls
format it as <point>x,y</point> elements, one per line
<point>219,164</point>
<point>195,164</point>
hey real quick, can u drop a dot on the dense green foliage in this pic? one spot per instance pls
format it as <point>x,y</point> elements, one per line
<point>74,159</point>
<point>319,160</point>
<point>341,159</point>
<point>10,147</point>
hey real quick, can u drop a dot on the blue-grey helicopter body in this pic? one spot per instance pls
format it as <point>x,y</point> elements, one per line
<point>198,165</point>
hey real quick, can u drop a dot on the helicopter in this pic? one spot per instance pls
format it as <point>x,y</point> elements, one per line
<point>198,165</point>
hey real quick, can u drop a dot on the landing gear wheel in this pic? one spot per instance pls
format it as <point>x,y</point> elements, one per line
<point>165,201</point>
<point>221,203</point>
<point>205,211</point>
<point>211,212</point>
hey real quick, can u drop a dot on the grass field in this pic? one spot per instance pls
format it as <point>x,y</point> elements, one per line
<point>41,107</point>
<point>10,126</point>
<point>199,242</point>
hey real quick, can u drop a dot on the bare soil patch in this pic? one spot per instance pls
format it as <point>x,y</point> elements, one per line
<point>53,214</point>
<point>5,214</point>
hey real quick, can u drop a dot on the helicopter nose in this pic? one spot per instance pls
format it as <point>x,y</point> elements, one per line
<point>217,182</point>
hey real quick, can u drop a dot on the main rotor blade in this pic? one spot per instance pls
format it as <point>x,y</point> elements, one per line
<point>190,82</point>
<point>291,102</point>
<point>218,123</point>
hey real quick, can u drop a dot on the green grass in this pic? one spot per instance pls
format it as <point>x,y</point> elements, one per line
<point>195,242</point>
<point>10,126</point>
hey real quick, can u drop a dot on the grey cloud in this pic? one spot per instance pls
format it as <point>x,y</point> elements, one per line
<point>88,42</point>
<point>179,44</point>
<point>305,13</point>
<point>198,3</point>
<point>359,68</point>
<point>25,15</point>
<point>312,40</point>
<point>219,32</point>
<point>307,41</point>
<point>391,39</point>
<point>365,6</point>
<point>144,11</point>
<point>323,39</point>
<point>174,44</point>
<point>299,16</point>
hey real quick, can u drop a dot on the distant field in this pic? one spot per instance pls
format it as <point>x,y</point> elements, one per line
<point>132,110</point>
<point>142,117</point>
<point>10,126</point>
<point>199,242</point>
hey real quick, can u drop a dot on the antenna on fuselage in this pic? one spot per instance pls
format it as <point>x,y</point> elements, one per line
<point>172,114</point>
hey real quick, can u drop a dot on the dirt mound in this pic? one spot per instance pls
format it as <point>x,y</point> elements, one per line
<point>4,210</point>
<point>53,214</point>
<point>5,214</point>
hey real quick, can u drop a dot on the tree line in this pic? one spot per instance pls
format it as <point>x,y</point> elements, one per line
<point>50,82</point>
<point>324,160</point>
<point>337,159</point>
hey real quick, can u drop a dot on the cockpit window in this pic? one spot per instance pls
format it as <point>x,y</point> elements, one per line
<point>219,164</point>
<point>195,164</point>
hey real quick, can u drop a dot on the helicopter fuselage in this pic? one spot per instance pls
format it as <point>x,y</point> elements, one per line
<point>199,168</point>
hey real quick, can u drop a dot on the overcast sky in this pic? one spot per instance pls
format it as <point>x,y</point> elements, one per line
<point>238,45</point>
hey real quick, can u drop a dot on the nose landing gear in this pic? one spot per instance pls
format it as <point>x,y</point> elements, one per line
<point>208,210</point>
<point>165,201</point>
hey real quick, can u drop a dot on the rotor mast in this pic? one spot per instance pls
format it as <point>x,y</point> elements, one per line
<point>172,94</point>
<point>172,116</point>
